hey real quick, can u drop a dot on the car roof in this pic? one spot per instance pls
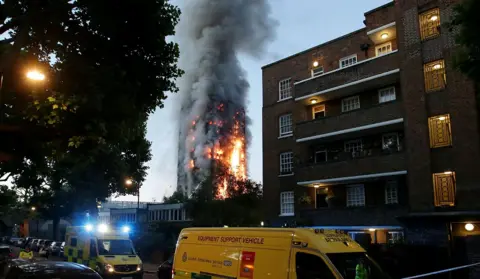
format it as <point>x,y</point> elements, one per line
<point>53,266</point>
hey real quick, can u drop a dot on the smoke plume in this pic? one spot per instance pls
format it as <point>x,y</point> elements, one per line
<point>213,91</point>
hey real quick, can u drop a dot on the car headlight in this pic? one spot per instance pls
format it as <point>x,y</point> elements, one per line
<point>109,267</point>
<point>139,267</point>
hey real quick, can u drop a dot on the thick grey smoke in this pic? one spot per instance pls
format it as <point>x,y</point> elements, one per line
<point>212,34</point>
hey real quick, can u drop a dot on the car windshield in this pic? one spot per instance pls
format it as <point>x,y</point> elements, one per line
<point>115,247</point>
<point>354,265</point>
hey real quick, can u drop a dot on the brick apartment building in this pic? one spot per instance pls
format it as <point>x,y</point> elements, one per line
<point>375,132</point>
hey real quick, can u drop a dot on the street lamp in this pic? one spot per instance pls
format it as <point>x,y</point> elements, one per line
<point>130,182</point>
<point>33,208</point>
<point>35,75</point>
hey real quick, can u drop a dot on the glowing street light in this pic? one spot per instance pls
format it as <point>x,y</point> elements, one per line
<point>35,75</point>
<point>128,181</point>
<point>33,208</point>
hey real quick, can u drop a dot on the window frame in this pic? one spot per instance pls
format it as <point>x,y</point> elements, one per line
<point>286,196</point>
<point>395,239</point>
<point>281,169</point>
<point>349,202</point>
<point>353,141</point>
<point>389,43</point>
<point>320,151</point>
<point>316,74</point>
<point>349,99</point>
<point>452,193</point>
<point>318,106</point>
<point>387,89</point>
<point>429,32</point>
<point>434,79</point>
<point>346,58</point>
<point>433,131</point>
<point>288,95</point>
<point>392,184</point>
<point>285,133</point>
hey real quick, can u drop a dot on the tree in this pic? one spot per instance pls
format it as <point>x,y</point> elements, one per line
<point>241,207</point>
<point>8,200</point>
<point>176,197</point>
<point>466,22</point>
<point>111,71</point>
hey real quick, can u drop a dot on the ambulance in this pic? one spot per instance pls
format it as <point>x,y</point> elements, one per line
<point>261,253</point>
<point>107,250</point>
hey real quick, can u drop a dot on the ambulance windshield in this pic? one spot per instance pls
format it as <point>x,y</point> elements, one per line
<point>357,265</point>
<point>115,247</point>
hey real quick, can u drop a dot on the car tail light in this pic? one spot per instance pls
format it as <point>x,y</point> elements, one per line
<point>11,255</point>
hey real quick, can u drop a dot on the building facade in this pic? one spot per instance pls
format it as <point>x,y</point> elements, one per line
<point>375,132</point>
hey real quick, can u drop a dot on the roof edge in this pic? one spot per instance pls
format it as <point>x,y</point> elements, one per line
<point>314,47</point>
<point>381,7</point>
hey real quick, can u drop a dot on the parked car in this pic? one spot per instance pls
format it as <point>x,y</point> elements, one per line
<point>6,254</point>
<point>164,270</point>
<point>62,249</point>
<point>18,269</point>
<point>33,244</point>
<point>39,245</point>
<point>54,248</point>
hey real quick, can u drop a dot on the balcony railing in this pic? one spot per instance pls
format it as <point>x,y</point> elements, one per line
<point>376,114</point>
<point>366,69</point>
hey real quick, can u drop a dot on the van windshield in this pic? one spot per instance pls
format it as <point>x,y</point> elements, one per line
<point>357,265</point>
<point>115,247</point>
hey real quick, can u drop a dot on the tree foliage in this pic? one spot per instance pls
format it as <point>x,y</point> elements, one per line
<point>111,70</point>
<point>242,206</point>
<point>466,21</point>
<point>176,197</point>
<point>8,200</point>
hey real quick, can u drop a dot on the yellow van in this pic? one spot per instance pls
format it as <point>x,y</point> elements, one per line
<point>261,253</point>
<point>107,250</point>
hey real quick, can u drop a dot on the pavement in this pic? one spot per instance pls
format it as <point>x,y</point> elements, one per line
<point>150,270</point>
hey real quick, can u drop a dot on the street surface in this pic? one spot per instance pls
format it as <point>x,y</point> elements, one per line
<point>150,269</point>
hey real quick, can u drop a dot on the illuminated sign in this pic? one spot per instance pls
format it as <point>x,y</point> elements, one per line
<point>231,239</point>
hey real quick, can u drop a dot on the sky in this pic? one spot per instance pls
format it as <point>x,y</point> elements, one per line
<point>302,25</point>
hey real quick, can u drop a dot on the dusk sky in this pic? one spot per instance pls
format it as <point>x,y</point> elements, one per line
<point>303,24</point>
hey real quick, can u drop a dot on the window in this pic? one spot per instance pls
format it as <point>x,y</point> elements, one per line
<point>444,188</point>
<point>348,61</point>
<point>285,124</point>
<point>351,103</point>
<point>287,203</point>
<point>440,131</point>
<point>390,141</point>
<point>317,71</point>
<point>320,156</point>
<point>434,75</point>
<point>286,162</point>
<point>285,90</point>
<point>356,236</point>
<point>73,241</point>
<point>353,146</point>
<point>309,266</point>
<point>386,95</point>
<point>318,111</point>
<point>429,24</point>
<point>391,192</point>
<point>356,195</point>
<point>383,49</point>
<point>395,237</point>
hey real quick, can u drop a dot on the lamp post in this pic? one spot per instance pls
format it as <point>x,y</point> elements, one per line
<point>130,182</point>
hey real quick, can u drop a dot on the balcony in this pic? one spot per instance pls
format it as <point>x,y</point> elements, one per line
<point>364,75</point>
<point>352,167</point>
<point>381,117</point>
<point>358,216</point>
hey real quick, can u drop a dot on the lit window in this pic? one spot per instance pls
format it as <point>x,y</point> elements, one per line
<point>318,111</point>
<point>286,163</point>
<point>434,75</point>
<point>444,188</point>
<point>395,237</point>
<point>353,146</point>
<point>351,103</point>
<point>440,131</point>
<point>320,156</point>
<point>285,125</point>
<point>391,192</point>
<point>430,24</point>
<point>317,71</point>
<point>383,49</point>
<point>386,94</point>
<point>348,61</point>
<point>287,203</point>
<point>390,141</point>
<point>285,89</point>
<point>355,195</point>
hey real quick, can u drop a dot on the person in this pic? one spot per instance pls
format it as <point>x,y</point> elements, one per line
<point>26,254</point>
<point>361,271</point>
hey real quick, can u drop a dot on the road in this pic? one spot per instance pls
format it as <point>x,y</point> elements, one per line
<point>150,269</point>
